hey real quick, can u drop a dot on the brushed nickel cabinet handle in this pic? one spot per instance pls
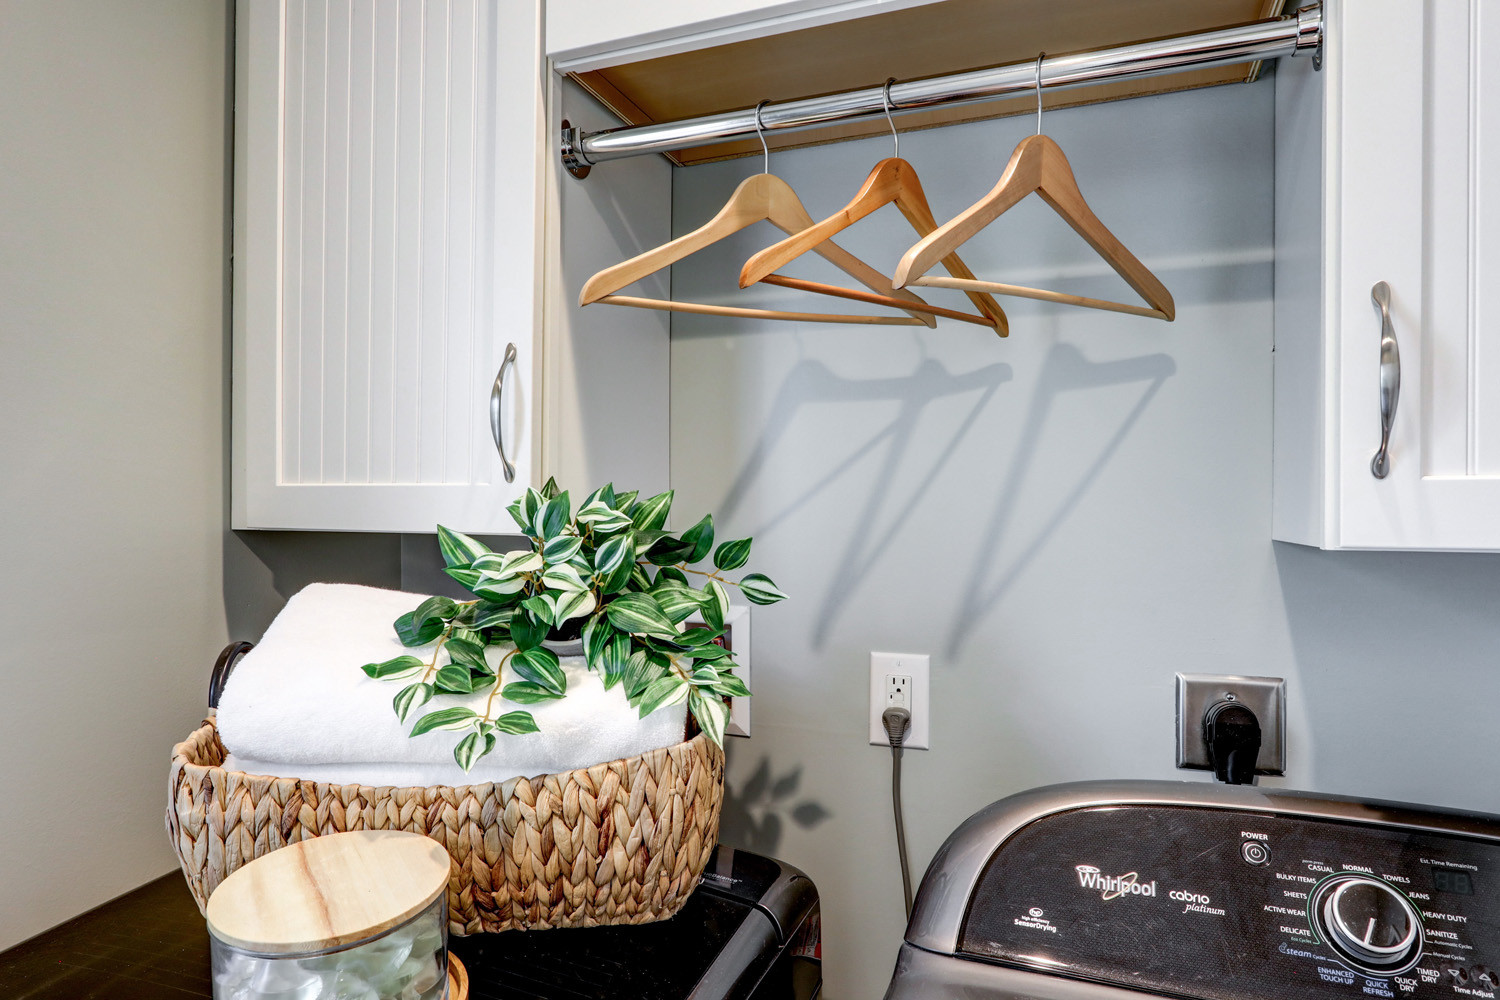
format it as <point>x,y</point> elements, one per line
<point>497,399</point>
<point>1390,378</point>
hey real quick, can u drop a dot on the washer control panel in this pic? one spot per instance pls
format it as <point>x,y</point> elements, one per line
<point>1229,905</point>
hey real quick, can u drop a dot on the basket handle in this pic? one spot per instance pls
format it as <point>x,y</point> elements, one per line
<point>222,667</point>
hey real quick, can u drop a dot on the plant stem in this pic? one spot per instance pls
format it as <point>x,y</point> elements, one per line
<point>432,667</point>
<point>499,683</point>
<point>684,567</point>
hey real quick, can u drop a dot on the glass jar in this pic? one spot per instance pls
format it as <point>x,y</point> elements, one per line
<point>351,916</point>
<point>409,962</point>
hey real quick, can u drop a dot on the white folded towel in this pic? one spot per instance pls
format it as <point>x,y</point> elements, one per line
<point>298,702</point>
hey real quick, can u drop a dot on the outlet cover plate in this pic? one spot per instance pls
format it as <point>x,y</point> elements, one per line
<point>915,665</point>
<point>1265,696</point>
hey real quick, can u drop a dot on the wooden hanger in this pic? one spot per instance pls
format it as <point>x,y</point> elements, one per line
<point>763,197</point>
<point>1038,165</point>
<point>892,180</point>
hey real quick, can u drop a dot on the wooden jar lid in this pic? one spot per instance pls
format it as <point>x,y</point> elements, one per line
<point>328,892</point>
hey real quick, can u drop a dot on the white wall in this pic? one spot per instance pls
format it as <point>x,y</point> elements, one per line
<point>1062,519</point>
<point>112,236</point>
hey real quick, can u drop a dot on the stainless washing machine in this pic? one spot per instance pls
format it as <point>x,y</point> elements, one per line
<point>1106,890</point>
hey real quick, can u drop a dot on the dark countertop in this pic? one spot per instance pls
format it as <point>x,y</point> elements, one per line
<point>152,944</point>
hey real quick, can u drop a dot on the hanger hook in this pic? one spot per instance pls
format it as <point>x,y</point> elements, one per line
<point>761,135</point>
<point>885,95</point>
<point>1039,58</point>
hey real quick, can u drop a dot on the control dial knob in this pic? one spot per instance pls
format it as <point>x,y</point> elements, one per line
<point>1368,922</point>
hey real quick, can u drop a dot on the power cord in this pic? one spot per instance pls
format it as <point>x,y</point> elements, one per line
<point>897,721</point>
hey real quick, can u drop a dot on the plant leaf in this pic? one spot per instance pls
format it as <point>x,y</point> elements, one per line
<point>732,555</point>
<point>469,654</point>
<point>435,607</point>
<point>699,636</point>
<point>609,556</point>
<point>712,714</point>
<point>564,578</point>
<point>615,659</point>
<point>596,636</point>
<point>647,538</point>
<point>410,697</point>
<point>539,665</point>
<point>562,548</point>
<point>605,520</point>
<point>640,671</point>
<point>401,666</point>
<point>668,550</point>
<point>550,488</point>
<point>758,589</point>
<point>576,605</point>
<point>624,501</point>
<point>498,591</point>
<point>662,692</point>
<point>526,631</point>
<point>469,578</point>
<point>471,748</point>
<point>531,502</point>
<point>458,550</point>
<point>652,514</point>
<point>414,633</point>
<point>489,615</point>
<point>732,686</point>
<point>519,561</point>
<point>701,539</point>
<point>619,578</point>
<point>641,615</point>
<point>456,717</point>
<point>672,573</point>
<point>716,610</point>
<point>516,723</point>
<point>518,514</point>
<point>454,679</point>
<point>677,602</point>
<point>542,608</point>
<point>527,693</point>
<point>553,516</point>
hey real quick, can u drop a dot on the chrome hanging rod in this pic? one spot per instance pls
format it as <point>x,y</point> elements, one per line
<point>1294,34</point>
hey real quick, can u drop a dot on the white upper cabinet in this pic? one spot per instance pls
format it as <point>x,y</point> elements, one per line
<point>583,34</point>
<point>1383,160</point>
<point>386,248</point>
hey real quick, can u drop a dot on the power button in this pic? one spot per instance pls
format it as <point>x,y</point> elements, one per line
<point>1255,853</point>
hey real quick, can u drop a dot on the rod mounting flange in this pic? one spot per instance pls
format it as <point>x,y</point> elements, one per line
<point>1310,32</point>
<point>572,152</point>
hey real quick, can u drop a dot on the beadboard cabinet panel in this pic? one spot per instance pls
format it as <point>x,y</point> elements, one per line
<point>1382,161</point>
<point>387,240</point>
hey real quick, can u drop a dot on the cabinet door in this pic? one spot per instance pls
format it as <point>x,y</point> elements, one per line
<point>1420,150</point>
<point>386,204</point>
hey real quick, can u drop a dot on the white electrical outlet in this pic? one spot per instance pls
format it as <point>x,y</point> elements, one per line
<point>899,680</point>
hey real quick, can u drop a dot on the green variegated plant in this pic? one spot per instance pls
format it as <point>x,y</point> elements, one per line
<point>609,573</point>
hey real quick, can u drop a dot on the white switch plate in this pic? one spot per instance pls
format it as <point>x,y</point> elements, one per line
<point>913,665</point>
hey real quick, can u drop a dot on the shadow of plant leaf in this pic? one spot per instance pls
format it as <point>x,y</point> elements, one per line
<point>754,814</point>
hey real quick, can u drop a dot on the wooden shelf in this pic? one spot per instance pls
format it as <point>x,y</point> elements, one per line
<point>930,40</point>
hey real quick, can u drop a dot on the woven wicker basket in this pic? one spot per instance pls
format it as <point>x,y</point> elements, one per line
<point>617,843</point>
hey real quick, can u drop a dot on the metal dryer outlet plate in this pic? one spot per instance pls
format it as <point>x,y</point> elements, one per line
<point>1265,696</point>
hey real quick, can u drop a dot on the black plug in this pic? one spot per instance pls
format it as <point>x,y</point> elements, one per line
<point>1232,733</point>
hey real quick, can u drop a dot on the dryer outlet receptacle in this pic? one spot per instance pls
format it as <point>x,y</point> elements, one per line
<point>1265,696</point>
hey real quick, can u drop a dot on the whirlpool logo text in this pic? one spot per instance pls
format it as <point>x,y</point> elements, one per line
<point>1113,886</point>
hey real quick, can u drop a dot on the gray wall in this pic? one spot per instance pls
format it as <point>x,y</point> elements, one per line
<point>1062,519</point>
<point>113,181</point>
